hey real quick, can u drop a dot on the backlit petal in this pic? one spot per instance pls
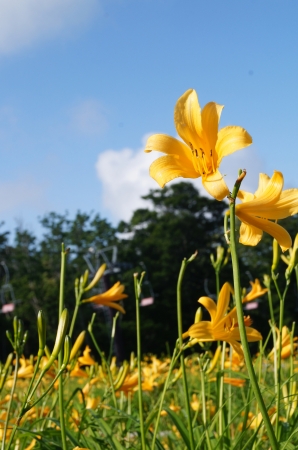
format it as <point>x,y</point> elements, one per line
<point>263,181</point>
<point>249,235</point>
<point>187,117</point>
<point>210,305</point>
<point>215,185</point>
<point>223,301</point>
<point>169,145</point>
<point>210,120</point>
<point>167,168</point>
<point>230,139</point>
<point>275,230</point>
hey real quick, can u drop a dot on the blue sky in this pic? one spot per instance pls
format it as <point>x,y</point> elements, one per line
<point>83,82</point>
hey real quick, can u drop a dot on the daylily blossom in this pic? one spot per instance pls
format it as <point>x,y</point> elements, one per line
<point>286,346</point>
<point>203,148</point>
<point>222,327</point>
<point>255,292</point>
<point>108,298</point>
<point>268,203</point>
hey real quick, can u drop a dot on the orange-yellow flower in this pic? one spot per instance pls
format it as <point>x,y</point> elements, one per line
<point>222,327</point>
<point>108,298</point>
<point>256,291</point>
<point>203,148</point>
<point>86,359</point>
<point>269,203</point>
<point>286,346</point>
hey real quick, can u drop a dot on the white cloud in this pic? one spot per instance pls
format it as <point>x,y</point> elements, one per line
<point>124,175</point>
<point>88,118</point>
<point>24,22</point>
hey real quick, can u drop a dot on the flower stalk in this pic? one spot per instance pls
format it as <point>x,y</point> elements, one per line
<point>184,264</point>
<point>241,324</point>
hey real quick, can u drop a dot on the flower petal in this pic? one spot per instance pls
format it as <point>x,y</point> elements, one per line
<point>223,301</point>
<point>115,306</point>
<point>245,196</point>
<point>187,117</point>
<point>265,204</point>
<point>201,331</point>
<point>169,145</point>
<point>210,305</point>
<point>215,185</point>
<point>210,120</point>
<point>275,230</point>
<point>167,168</point>
<point>263,181</point>
<point>250,235</point>
<point>230,139</point>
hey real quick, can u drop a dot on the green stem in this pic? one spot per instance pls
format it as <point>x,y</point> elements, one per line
<point>241,324</point>
<point>161,400</point>
<point>137,286</point>
<point>221,393</point>
<point>203,396</point>
<point>9,407</point>
<point>60,356</point>
<point>270,305</point>
<point>74,317</point>
<point>103,360</point>
<point>184,264</point>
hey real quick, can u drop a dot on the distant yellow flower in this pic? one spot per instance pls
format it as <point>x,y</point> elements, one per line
<point>268,203</point>
<point>286,349</point>
<point>222,327</point>
<point>256,291</point>
<point>108,298</point>
<point>86,359</point>
<point>203,148</point>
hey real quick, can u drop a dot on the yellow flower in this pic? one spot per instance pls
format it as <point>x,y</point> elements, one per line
<point>286,348</point>
<point>86,359</point>
<point>256,291</point>
<point>108,298</point>
<point>203,148</point>
<point>222,327</point>
<point>268,203</point>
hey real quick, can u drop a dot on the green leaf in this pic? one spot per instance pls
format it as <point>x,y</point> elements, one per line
<point>180,426</point>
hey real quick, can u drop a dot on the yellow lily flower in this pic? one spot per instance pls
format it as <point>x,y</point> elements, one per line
<point>286,348</point>
<point>268,203</point>
<point>222,327</point>
<point>203,148</point>
<point>256,291</point>
<point>108,298</point>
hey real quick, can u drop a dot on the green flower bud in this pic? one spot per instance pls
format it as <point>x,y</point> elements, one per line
<point>123,371</point>
<point>60,337</point>
<point>276,255</point>
<point>41,328</point>
<point>67,347</point>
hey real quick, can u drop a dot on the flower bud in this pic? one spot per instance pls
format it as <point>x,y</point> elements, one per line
<point>77,345</point>
<point>214,360</point>
<point>41,328</point>
<point>60,337</point>
<point>199,315</point>
<point>5,369</point>
<point>67,346</point>
<point>276,255</point>
<point>123,371</point>
<point>96,278</point>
